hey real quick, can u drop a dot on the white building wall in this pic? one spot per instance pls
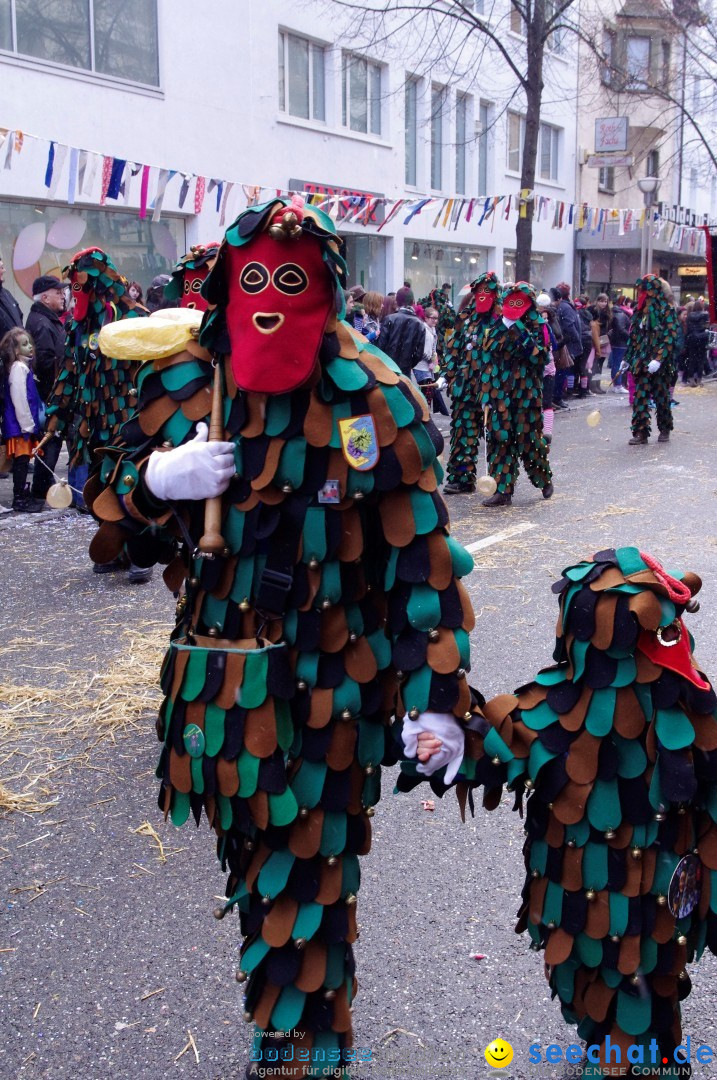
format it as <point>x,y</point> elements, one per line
<point>217,114</point>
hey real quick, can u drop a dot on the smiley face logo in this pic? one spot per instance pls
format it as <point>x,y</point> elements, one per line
<point>499,1053</point>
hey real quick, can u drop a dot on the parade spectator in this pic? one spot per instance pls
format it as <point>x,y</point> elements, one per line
<point>372,306</point>
<point>571,332</point>
<point>619,334</point>
<point>602,318</point>
<point>134,291</point>
<point>21,422</point>
<point>45,327</point>
<point>544,306</point>
<point>402,335</point>
<point>357,294</point>
<point>10,314</point>
<point>388,307</point>
<point>586,337</point>
<point>155,293</point>
<point>696,338</point>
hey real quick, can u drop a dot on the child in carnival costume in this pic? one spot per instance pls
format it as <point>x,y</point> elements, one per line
<point>329,630</point>
<point>651,357</point>
<point>462,362</point>
<point>515,353</point>
<point>615,745</point>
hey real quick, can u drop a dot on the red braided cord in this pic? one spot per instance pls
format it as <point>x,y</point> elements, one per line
<point>676,590</point>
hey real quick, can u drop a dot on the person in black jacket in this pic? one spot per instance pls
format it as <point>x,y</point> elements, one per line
<point>47,331</point>
<point>570,326</point>
<point>402,335</point>
<point>696,338</point>
<point>10,314</point>
<point>586,337</point>
<point>619,335</point>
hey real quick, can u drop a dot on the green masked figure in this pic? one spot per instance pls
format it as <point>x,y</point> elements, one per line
<point>651,357</point>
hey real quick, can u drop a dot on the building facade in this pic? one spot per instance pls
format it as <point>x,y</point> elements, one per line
<point>275,97</point>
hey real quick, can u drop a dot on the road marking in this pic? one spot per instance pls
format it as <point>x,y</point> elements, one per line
<point>499,537</point>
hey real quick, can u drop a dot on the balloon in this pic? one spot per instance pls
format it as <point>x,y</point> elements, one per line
<point>164,242</point>
<point>59,496</point>
<point>593,418</point>
<point>25,278</point>
<point>66,232</point>
<point>486,485</point>
<point>29,245</point>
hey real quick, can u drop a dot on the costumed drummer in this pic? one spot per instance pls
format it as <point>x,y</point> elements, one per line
<point>462,365</point>
<point>651,358</point>
<point>616,745</point>
<point>326,634</point>
<point>515,355</point>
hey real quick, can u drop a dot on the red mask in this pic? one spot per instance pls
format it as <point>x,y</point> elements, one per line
<point>675,656</point>
<point>515,305</point>
<point>80,296</point>
<point>484,301</point>
<point>191,295</point>
<point>280,296</point>
<point>641,299</point>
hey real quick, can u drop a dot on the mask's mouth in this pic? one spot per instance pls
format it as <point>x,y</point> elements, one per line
<point>267,322</point>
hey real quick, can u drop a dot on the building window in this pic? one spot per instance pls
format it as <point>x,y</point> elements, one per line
<point>666,62</point>
<point>516,135</point>
<point>411,114</point>
<point>461,133</point>
<point>482,141</point>
<point>301,77</point>
<point>652,163</point>
<point>517,22</point>
<point>438,94</point>
<point>637,62</point>
<point>86,34</point>
<point>479,7</point>
<point>606,179</point>
<point>607,66</point>
<point>361,94</point>
<point>555,38</point>
<point>549,152</point>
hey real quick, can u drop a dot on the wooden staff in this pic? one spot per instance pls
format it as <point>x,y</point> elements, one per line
<point>51,429</point>
<point>212,542</point>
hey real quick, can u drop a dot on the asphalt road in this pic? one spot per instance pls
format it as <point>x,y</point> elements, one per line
<point>110,957</point>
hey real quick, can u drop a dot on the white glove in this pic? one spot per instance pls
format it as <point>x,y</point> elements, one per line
<point>654,366</point>
<point>506,322</point>
<point>446,728</point>
<point>197,470</point>
<point>441,383</point>
<point>623,367</point>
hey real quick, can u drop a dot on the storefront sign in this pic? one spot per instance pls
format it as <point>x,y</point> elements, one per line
<point>691,271</point>
<point>351,200</point>
<point>611,134</point>
<point>610,161</point>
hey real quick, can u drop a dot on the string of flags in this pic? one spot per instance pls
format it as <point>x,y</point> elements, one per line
<point>673,226</point>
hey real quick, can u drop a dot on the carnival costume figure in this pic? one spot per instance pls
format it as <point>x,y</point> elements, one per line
<point>462,367</point>
<point>616,746</point>
<point>328,631</point>
<point>188,276</point>
<point>514,356</point>
<point>651,357</point>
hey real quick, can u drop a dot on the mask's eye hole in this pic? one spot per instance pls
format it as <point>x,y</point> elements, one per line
<point>187,287</point>
<point>290,279</point>
<point>196,284</point>
<point>254,277</point>
<point>76,287</point>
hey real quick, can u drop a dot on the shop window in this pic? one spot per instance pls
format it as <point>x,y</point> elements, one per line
<point>301,77</point>
<point>86,34</point>
<point>516,135</point>
<point>438,94</point>
<point>361,94</point>
<point>549,152</point>
<point>461,134</point>
<point>411,132</point>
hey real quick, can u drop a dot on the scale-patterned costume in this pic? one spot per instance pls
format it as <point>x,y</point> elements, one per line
<point>653,336</point>
<point>462,363</point>
<point>93,392</point>
<point>446,317</point>
<point>189,275</point>
<point>338,555</point>
<point>513,362</point>
<point>617,743</point>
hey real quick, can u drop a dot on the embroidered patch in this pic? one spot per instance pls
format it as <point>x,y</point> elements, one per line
<point>94,342</point>
<point>330,492</point>
<point>359,442</point>
<point>685,887</point>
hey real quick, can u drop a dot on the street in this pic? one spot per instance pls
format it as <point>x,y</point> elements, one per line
<point>112,965</point>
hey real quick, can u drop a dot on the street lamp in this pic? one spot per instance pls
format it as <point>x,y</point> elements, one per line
<point>649,186</point>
